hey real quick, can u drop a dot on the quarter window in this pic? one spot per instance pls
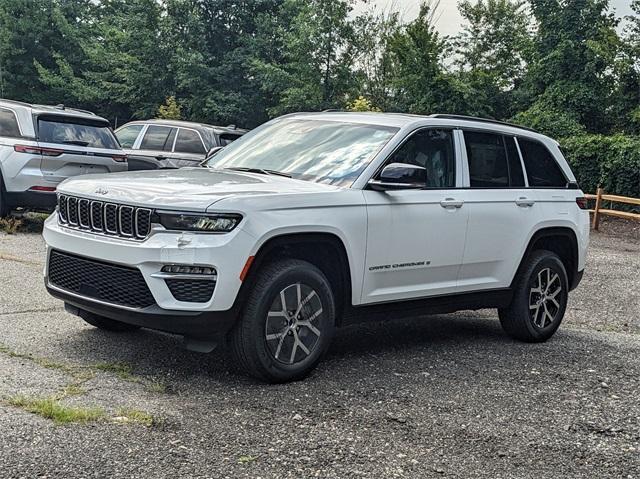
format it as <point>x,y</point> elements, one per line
<point>127,135</point>
<point>541,166</point>
<point>434,150</point>
<point>189,142</point>
<point>9,124</point>
<point>158,138</point>
<point>487,156</point>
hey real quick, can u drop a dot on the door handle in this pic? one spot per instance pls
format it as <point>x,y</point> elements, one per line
<point>161,157</point>
<point>451,203</point>
<point>525,202</point>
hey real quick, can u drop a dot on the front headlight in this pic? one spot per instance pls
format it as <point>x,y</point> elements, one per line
<point>213,223</point>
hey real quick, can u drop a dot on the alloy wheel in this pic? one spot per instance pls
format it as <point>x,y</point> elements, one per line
<point>293,325</point>
<point>545,297</point>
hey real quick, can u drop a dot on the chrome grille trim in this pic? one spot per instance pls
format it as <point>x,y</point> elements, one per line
<point>124,221</point>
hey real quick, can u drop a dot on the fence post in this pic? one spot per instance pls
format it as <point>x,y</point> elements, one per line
<point>596,211</point>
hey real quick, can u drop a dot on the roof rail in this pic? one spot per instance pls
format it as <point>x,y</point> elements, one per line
<point>483,120</point>
<point>15,102</point>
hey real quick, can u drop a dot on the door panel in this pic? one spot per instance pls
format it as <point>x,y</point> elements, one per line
<point>414,244</point>
<point>416,238</point>
<point>498,229</point>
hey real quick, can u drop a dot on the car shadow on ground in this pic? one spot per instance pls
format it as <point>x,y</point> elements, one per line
<point>157,354</point>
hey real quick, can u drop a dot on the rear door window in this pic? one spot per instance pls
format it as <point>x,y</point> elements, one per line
<point>78,132</point>
<point>189,141</point>
<point>158,138</point>
<point>542,169</point>
<point>487,156</point>
<point>9,124</point>
<point>127,136</point>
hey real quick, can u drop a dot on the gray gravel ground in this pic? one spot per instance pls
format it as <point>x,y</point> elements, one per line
<point>445,396</point>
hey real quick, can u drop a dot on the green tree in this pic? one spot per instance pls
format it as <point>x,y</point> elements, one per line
<point>492,50</point>
<point>170,110</point>
<point>570,72</point>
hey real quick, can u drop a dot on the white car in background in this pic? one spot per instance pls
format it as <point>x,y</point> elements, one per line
<point>314,221</point>
<point>40,146</point>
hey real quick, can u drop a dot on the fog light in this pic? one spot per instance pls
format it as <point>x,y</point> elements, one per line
<point>183,269</point>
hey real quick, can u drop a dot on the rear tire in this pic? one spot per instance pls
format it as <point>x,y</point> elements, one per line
<point>106,324</point>
<point>286,325</point>
<point>539,299</point>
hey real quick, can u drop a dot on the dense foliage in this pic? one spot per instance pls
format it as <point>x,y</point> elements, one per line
<point>569,68</point>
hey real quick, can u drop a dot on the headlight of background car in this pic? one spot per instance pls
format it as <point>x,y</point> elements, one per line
<point>214,223</point>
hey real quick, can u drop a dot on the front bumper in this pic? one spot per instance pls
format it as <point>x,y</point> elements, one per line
<point>191,324</point>
<point>227,253</point>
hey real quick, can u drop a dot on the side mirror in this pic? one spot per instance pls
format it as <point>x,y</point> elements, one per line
<point>213,151</point>
<point>400,176</point>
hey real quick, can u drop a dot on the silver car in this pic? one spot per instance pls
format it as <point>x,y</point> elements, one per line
<point>40,146</point>
<point>156,144</point>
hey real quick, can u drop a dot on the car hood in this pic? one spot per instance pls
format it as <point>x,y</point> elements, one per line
<point>192,189</point>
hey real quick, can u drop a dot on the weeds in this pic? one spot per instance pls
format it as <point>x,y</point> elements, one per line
<point>135,416</point>
<point>51,408</point>
<point>10,225</point>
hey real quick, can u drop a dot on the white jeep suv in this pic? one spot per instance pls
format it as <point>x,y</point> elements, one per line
<point>42,145</point>
<point>313,221</point>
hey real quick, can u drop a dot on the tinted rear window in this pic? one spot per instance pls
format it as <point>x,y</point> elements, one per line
<point>189,142</point>
<point>541,166</point>
<point>487,157</point>
<point>70,131</point>
<point>8,124</point>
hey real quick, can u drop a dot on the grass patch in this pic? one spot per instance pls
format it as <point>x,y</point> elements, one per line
<point>128,415</point>
<point>51,408</point>
<point>10,225</point>
<point>156,387</point>
<point>246,459</point>
<point>122,370</point>
<point>73,390</point>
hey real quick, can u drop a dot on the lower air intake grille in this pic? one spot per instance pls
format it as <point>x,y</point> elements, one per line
<point>97,280</point>
<point>191,290</point>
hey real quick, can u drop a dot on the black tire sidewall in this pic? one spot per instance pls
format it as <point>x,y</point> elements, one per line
<point>544,260</point>
<point>290,272</point>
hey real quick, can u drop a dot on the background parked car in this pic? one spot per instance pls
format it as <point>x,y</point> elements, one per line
<point>154,144</point>
<point>42,145</point>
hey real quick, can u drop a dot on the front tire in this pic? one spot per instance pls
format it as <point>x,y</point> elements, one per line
<point>539,299</point>
<point>287,323</point>
<point>106,324</point>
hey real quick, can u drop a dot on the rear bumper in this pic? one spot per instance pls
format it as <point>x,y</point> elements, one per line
<point>32,199</point>
<point>191,324</point>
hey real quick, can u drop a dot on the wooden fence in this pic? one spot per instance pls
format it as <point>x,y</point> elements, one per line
<point>600,196</point>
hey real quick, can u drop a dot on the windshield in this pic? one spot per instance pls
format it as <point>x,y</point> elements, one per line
<point>316,150</point>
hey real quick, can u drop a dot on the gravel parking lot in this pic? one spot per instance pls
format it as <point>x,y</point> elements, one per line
<point>444,396</point>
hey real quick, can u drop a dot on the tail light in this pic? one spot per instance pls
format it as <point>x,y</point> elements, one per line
<point>582,203</point>
<point>119,158</point>
<point>43,188</point>
<point>36,150</point>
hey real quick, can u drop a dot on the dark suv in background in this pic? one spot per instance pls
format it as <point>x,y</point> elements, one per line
<point>155,144</point>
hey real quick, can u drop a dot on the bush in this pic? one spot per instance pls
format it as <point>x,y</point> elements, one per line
<point>611,162</point>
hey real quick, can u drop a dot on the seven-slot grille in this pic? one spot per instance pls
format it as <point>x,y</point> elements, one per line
<point>103,217</point>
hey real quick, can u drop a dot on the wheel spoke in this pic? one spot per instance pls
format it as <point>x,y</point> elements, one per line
<point>277,314</point>
<point>279,348</point>
<point>303,347</point>
<point>272,336</point>
<point>315,315</point>
<point>283,300</point>
<point>293,350</point>
<point>310,326</point>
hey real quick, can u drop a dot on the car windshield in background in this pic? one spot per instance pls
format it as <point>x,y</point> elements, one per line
<point>69,132</point>
<point>316,150</point>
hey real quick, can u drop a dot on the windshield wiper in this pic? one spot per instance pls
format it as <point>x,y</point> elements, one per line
<point>76,142</point>
<point>261,171</point>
